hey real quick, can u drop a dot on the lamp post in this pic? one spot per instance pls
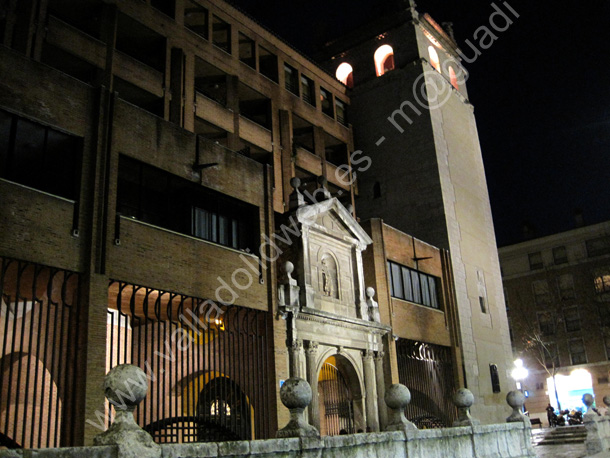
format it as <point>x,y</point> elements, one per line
<point>519,372</point>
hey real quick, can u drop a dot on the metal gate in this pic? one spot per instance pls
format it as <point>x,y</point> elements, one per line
<point>208,365</point>
<point>336,400</point>
<point>39,334</point>
<point>427,371</point>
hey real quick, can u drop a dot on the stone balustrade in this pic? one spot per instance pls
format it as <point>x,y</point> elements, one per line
<point>597,426</point>
<point>124,439</point>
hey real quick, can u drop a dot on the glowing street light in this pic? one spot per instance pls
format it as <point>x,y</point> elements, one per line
<point>519,372</point>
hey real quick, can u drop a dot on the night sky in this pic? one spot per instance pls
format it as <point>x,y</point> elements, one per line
<point>541,94</point>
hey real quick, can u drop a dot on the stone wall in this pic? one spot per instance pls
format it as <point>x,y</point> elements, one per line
<point>509,440</point>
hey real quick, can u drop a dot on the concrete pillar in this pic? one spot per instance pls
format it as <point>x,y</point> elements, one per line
<point>312,378</point>
<point>370,385</point>
<point>380,379</point>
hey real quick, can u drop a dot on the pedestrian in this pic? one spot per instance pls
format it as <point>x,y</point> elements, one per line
<point>549,414</point>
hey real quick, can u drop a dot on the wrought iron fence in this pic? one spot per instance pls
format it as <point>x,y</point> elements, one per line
<point>427,371</point>
<point>337,402</point>
<point>208,365</point>
<point>39,333</point>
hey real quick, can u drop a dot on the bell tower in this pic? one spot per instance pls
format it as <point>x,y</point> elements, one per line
<point>424,174</point>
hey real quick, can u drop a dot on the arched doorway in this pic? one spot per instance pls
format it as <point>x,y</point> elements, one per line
<point>336,396</point>
<point>223,412</point>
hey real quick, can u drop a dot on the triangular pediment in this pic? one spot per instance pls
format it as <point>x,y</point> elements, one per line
<point>331,217</point>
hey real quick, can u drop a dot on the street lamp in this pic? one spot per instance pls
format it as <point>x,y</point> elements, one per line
<point>519,372</point>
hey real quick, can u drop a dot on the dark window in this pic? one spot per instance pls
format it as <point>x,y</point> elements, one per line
<point>482,304</point>
<point>560,256</point>
<point>413,286</point>
<point>377,190</point>
<point>571,318</point>
<point>221,34</point>
<point>246,50</point>
<point>495,378</point>
<point>291,76</point>
<point>326,99</point>
<point>39,156</point>
<point>598,246</point>
<point>341,112</point>
<point>546,323</point>
<point>167,7</point>
<point>577,351</point>
<point>140,42</point>
<point>565,283</point>
<point>307,90</point>
<point>196,18</point>
<point>604,315</point>
<point>535,260</point>
<point>157,197</point>
<point>267,64</point>
<point>542,293</point>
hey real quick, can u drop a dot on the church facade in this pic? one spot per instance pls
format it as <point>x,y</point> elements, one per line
<point>178,193</point>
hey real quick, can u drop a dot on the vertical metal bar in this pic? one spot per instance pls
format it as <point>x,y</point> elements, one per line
<point>12,358</point>
<point>31,418</point>
<point>61,364</point>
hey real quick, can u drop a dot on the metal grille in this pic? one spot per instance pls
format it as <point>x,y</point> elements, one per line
<point>207,365</point>
<point>426,369</point>
<point>337,402</point>
<point>39,333</point>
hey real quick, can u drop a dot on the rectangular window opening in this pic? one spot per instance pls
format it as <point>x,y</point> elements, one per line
<point>221,34</point>
<point>413,286</point>
<point>246,50</point>
<point>267,64</point>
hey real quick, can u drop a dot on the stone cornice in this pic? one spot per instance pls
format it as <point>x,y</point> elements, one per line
<point>318,316</point>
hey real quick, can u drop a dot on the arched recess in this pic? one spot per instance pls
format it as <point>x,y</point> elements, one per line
<point>30,405</point>
<point>345,74</point>
<point>339,396</point>
<point>224,412</point>
<point>384,59</point>
<point>329,275</point>
<point>434,60</point>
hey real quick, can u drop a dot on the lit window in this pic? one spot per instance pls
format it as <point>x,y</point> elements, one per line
<point>434,58</point>
<point>602,284</point>
<point>453,78</point>
<point>384,59</point>
<point>345,74</point>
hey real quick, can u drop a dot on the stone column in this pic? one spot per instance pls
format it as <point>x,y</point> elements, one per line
<point>380,379</point>
<point>296,359</point>
<point>370,385</point>
<point>312,378</point>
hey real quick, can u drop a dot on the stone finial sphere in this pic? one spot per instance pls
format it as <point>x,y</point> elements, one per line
<point>295,182</point>
<point>370,292</point>
<point>463,398</point>
<point>607,400</point>
<point>295,393</point>
<point>587,399</point>
<point>128,380</point>
<point>289,267</point>
<point>515,398</point>
<point>397,396</point>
